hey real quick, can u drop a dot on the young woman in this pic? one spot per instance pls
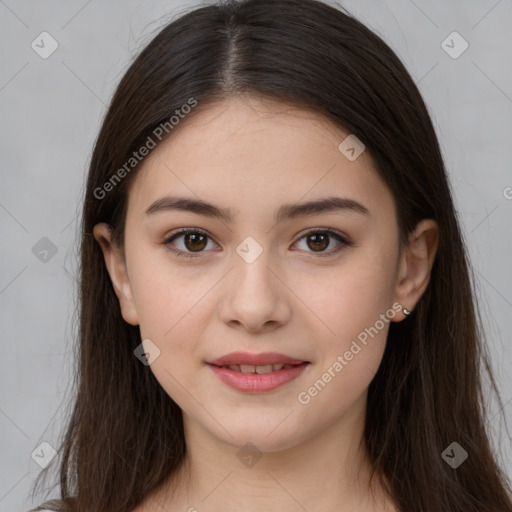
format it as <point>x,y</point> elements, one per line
<point>276,311</point>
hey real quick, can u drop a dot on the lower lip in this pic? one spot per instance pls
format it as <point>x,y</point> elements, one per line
<point>258,383</point>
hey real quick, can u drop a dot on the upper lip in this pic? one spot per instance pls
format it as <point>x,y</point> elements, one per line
<point>262,359</point>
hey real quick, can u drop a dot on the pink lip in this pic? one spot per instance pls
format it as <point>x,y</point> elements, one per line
<point>255,359</point>
<point>258,383</point>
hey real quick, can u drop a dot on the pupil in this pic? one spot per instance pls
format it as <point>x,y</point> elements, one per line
<point>324,242</point>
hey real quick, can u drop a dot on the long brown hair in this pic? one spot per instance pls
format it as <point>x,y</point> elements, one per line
<point>125,434</point>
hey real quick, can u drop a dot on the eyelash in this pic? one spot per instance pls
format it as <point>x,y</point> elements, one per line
<point>343,241</point>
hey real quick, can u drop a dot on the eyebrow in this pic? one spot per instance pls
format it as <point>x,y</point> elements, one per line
<point>286,211</point>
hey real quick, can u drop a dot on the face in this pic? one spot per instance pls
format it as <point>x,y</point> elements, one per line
<point>319,285</point>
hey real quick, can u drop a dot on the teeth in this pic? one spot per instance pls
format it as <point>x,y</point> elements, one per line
<point>264,369</point>
<point>250,368</point>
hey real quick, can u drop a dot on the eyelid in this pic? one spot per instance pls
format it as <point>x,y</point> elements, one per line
<point>330,231</point>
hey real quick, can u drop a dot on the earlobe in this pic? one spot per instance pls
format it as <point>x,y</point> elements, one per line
<point>415,266</point>
<point>116,268</point>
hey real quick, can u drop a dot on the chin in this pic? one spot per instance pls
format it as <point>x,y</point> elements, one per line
<point>267,436</point>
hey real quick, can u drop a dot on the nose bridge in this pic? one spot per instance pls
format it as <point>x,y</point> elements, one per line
<point>255,295</point>
<point>252,276</point>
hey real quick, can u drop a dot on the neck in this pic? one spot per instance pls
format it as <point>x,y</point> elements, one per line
<point>328,471</point>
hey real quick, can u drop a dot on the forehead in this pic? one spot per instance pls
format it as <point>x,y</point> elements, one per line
<point>252,154</point>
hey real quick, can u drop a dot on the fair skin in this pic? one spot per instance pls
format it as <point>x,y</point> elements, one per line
<point>253,156</point>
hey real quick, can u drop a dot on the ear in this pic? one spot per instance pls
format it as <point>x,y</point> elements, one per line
<point>116,267</point>
<point>416,261</point>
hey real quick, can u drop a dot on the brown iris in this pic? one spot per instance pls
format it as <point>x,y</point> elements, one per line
<point>320,241</point>
<point>197,241</point>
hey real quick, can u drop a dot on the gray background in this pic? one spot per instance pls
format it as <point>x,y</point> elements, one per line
<point>50,115</point>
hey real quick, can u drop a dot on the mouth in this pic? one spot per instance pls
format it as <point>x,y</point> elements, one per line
<point>243,373</point>
<point>249,378</point>
<point>260,370</point>
<point>247,360</point>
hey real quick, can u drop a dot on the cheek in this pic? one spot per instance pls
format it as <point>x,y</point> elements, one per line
<point>346,366</point>
<point>167,295</point>
<point>347,299</point>
<point>170,306</point>
<point>354,304</point>
<point>171,316</point>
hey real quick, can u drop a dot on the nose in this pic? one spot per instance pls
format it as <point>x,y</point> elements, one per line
<point>255,297</point>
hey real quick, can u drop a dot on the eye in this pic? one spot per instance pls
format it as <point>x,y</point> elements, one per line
<point>320,239</point>
<point>194,241</point>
